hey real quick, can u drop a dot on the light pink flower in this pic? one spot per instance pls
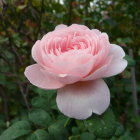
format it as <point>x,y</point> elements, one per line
<point>74,60</point>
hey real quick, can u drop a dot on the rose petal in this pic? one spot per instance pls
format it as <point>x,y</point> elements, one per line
<point>98,73</point>
<point>68,78</point>
<point>116,51</point>
<point>77,26</point>
<point>41,79</point>
<point>96,31</point>
<point>68,63</point>
<point>83,69</point>
<point>118,64</point>
<point>79,100</point>
<point>35,50</point>
<point>115,67</point>
<point>61,77</point>
<point>60,26</point>
<point>38,53</point>
<point>112,66</point>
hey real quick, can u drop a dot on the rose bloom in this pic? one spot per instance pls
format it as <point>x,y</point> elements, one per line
<point>74,60</point>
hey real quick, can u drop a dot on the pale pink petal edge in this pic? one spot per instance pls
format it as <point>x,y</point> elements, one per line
<point>41,79</point>
<point>80,100</point>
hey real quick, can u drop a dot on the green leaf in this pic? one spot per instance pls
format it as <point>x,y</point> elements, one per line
<point>40,102</point>
<point>74,137</point>
<point>103,126</point>
<point>87,136</point>
<point>36,3</point>
<point>75,130</point>
<point>119,130</point>
<point>114,138</point>
<point>80,125</point>
<point>3,39</point>
<point>126,136</point>
<point>127,40</point>
<point>45,100</point>
<point>131,62</point>
<point>40,117</point>
<point>58,131</point>
<point>48,94</point>
<point>21,7</point>
<point>39,135</point>
<point>18,129</point>
<point>2,125</point>
<point>124,40</point>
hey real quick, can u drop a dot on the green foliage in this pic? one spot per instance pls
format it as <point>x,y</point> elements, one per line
<point>39,117</point>
<point>131,62</point>
<point>57,131</point>
<point>16,130</point>
<point>124,40</point>
<point>40,102</point>
<point>87,136</point>
<point>126,136</point>
<point>22,22</point>
<point>103,126</point>
<point>45,100</point>
<point>39,135</point>
<point>75,130</point>
<point>120,130</point>
<point>2,124</point>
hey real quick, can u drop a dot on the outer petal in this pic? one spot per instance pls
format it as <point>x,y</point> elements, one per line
<point>38,53</point>
<point>118,64</point>
<point>112,67</point>
<point>83,69</point>
<point>77,26</point>
<point>79,100</point>
<point>116,51</point>
<point>40,79</point>
<point>35,50</point>
<point>99,73</point>
<point>63,78</point>
<point>74,63</point>
<point>60,26</point>
<point>115,68</point>
<point>68,79</point>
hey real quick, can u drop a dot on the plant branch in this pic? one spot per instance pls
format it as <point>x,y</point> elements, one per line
<point>5,104</point>
<point>134,87</point>
<point>24,97</point>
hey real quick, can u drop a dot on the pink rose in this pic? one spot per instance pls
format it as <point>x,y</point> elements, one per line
<point>74,60</point>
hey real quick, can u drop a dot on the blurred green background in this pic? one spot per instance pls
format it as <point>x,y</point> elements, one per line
<point>29,113</point>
